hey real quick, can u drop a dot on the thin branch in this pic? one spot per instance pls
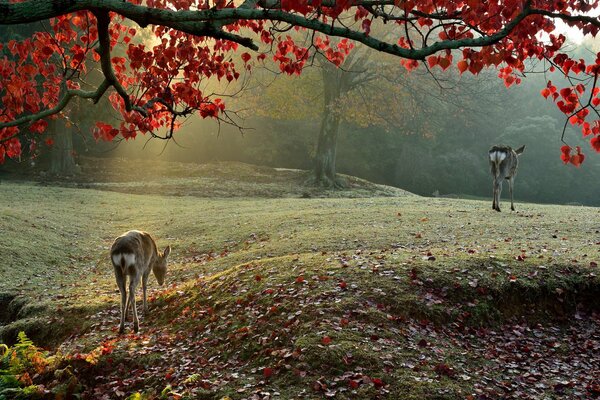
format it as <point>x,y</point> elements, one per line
<point>583,107</point>
<point>63,102</point>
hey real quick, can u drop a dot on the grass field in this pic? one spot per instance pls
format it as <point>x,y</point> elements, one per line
<point>276,290</point>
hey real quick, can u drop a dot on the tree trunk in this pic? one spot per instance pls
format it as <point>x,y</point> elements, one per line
<point>334,86</point>
<point>62,161</point>
<point>325,157</point>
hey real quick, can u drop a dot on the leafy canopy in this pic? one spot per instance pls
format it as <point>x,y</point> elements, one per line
<point>154,83</point>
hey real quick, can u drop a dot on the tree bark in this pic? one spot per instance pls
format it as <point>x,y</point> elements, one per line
<point>325,157</point>
<point>335,85</point>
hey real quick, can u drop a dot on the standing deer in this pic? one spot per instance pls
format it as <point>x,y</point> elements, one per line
<point>134,254</point>
<point>504,161</point>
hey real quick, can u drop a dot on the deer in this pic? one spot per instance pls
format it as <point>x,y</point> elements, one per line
<point>134,254</point>
<point>504,162</point>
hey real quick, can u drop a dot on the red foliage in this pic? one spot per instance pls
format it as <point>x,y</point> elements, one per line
<point>575,159</point>
<point>166,77</point>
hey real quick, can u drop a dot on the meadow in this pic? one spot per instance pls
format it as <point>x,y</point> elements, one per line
<point>278,291</point>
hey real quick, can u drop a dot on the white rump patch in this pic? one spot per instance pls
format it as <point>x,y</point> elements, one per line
<point>128,257</point>
<point>497,156</point>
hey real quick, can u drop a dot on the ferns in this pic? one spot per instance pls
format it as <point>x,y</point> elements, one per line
<point>24,341</point>
<point>16,363</point>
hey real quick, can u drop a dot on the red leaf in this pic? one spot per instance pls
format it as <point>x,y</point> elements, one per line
<point>267,372</point>
<point>444,369</point>
<point>545,92</point>
<point>566,153</point>
<point>595,142</point>
<point>47,51</point>
<point>326,340</point>
<point>366,25</point>
<point>577,159</point>
<point>444,62</point>
<point>13,148</point>
<point>432,61</point>
<point>509,80</point>
<point>38,126</point>
<point>377,382</point>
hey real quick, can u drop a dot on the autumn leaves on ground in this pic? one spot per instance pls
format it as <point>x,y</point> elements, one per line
<point>279,291</point>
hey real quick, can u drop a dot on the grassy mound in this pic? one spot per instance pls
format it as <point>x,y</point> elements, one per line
<point>215,179</point>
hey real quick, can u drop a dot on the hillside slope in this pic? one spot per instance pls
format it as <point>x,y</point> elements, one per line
<point>215,179</point>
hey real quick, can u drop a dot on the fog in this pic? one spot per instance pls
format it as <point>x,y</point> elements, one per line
<point>431,140</point>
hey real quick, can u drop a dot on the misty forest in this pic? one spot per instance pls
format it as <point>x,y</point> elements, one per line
<point>299,199</point>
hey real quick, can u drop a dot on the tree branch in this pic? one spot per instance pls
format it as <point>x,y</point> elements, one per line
<point>95,96</point>
<point>565,17</point>
<point>105,63</point>
<point>201,22</point>
<point>209,22</point>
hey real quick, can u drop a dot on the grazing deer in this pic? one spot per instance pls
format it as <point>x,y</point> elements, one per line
<point>134,254</point>
<point>504,161</point>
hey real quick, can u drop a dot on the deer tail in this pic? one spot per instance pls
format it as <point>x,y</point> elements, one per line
<point>123,260</point>
<point>123,266</point>
<point>496,157</point>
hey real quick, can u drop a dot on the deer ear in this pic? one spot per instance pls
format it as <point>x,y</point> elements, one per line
<point>520,149</point>
<point>167,251</point>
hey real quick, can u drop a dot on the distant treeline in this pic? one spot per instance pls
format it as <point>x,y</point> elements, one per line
<point>445,157</point>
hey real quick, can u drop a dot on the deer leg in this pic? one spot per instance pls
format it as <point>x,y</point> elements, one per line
<point>494,195</point>
<point>497,193</point>
<point>132,286</point>
<point>144,286</point>
<point>127,307</point>
<point>510,189</point>
<point>121,285</point>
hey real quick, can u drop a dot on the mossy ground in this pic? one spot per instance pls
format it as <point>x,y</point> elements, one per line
<point>366,297</point>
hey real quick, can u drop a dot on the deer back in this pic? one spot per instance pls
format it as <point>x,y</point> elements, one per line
<point>133,252</point>
<point>504,161</point>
